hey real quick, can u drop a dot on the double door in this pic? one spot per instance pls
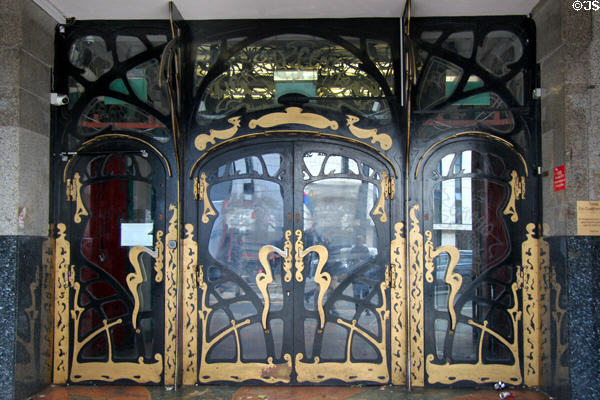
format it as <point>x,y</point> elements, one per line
<point>291,258</point>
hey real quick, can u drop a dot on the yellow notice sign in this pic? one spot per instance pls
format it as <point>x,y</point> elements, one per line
<point>588,218</point>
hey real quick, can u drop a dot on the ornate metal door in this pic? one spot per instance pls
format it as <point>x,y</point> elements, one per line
<point>113,257</point>
<point>290,282</point>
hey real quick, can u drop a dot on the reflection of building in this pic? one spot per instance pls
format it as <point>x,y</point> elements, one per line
<point>483,145</point>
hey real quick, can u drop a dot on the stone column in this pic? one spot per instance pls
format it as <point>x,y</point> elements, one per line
<point>26,57</point>
<point>569,56</point>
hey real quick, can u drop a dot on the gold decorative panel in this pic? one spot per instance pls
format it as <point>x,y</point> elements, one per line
<point>171,267</point>
<point>263,279</point>
<point>62,262</point>
<point>398,305</point>
<point>293,115</point>
<point>383,139</point>
<point>191,272</point>
<point>203,140</point>
<point>415,288</point>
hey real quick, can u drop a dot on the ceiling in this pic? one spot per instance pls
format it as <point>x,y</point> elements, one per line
<point>264,9</point>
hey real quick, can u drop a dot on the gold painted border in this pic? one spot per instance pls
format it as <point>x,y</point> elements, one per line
<point>416,300</point>
<point>170,322</point>
<point>191,278</point>
<point>532,263</point>
<point>397,306</point>
<point>62,260</point>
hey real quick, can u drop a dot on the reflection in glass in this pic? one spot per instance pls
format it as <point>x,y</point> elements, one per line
<point>498,51</point>
<point>250,216</point>
<point>440,80</point>
<point>468,215</point>
<point>104,111</point>
<point>128,47</point>
<point>337,216</point>
<point>90,54</point>
<point>122,197</point>
<point>252,349</point>
<point>460,43</point>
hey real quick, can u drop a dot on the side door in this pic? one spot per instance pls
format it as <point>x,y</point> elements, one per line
<point>111,266</point>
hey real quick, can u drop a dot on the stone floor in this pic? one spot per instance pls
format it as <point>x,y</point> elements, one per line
<point>274,393</point>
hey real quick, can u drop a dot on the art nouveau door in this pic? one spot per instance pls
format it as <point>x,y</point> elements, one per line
<point>290,282</point>
<point>113,265</point>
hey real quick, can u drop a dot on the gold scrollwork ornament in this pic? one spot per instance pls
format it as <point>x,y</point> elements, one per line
<point>517,192</point>
<point>190,303</point>
<point>383,139</point>
<point>203,140</point>
<point>74,194</point>
<point>201,193</point>
<point>452,279</point>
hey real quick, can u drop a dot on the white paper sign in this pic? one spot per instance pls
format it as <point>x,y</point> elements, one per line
<point>136,234</point>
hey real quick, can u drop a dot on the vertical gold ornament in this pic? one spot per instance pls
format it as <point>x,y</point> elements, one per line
<point>532,257</point>
<point>74,194</point>
<point>299,248</point>
<point>62,262</point>
<point>264,279</point>
<point>170,328</point>
<point>452,279</point>
<point>190,306</point>
<point>287,263</point>
<point>417,316</point>
<point>517,192</point>
<point>398,302</point>
<point>385,188</point>
<point>201,193</point>
<point>160,257</point>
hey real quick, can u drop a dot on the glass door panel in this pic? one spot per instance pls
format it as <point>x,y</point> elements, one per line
<point>342,299</point>
<point>246,322</point>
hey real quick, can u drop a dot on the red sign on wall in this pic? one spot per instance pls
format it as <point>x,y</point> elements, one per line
<point>560,178</point>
